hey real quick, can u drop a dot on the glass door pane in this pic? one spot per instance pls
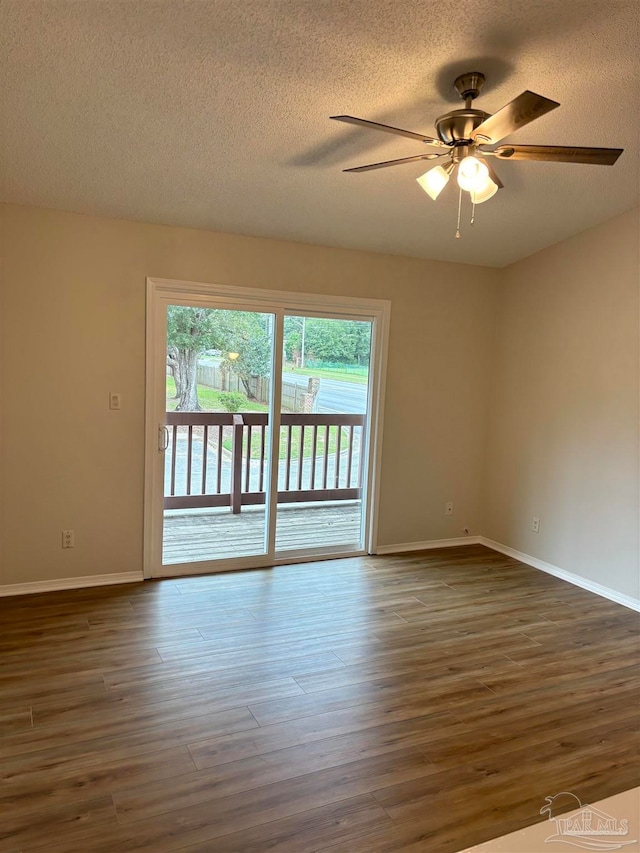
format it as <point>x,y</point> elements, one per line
<point>219,372</point>
<point>322,434</point>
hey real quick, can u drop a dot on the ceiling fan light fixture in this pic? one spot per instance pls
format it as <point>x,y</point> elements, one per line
<point>488,191</point>
<point>473,175</point>
<point>435,180</point>
<point>464,133</point>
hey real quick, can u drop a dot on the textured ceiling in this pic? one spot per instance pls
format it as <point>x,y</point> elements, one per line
<point>215,114</point>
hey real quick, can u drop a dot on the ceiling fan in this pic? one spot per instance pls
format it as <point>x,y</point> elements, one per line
<point>464,136</point>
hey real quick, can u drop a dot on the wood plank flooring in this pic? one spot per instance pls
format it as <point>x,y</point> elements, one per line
<point>403,703</point>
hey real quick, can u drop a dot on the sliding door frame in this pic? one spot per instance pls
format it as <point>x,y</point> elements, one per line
<point>163,292</point>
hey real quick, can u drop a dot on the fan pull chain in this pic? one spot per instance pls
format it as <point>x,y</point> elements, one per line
<point>473,207</point>
<point>459,208</point>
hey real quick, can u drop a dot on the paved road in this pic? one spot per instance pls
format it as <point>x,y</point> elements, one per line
<point>335,396</point>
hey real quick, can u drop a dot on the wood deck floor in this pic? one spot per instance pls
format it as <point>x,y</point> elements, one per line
<point>218,534</point>
<point>418,703</point>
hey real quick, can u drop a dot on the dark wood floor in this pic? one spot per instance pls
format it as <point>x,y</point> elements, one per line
<point>413,703</point>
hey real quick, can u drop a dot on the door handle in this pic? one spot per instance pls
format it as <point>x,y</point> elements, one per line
<point>163,438</point>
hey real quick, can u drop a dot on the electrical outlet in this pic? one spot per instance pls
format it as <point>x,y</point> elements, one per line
<point>535,524</point>
<point>115,401</point>
<point>68,540</point>
<point>448,508</point>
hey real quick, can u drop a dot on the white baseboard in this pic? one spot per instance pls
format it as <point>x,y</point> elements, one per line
<point>137,577</point>
<point>69,583</point>
<point>563,574</point>
<point>428,545</point>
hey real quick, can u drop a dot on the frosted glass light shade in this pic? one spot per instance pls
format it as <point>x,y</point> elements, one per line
<point>486,193</point>
<point>434,181</point>
<point>472,175</point>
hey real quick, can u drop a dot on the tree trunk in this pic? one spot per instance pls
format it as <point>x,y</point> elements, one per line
<point>246,384</point>
<point>174,366</point>
<point>187,369</point>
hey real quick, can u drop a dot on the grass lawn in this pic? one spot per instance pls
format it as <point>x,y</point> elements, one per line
<point>322,446</point>
<point>360,378</point>
<point>209,399</point>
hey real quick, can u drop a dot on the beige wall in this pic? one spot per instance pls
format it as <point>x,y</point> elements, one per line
<point>73,329</point>
<point>564,420</point>
<point>512,392</point>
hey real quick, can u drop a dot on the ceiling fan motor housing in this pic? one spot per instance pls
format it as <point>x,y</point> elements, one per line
<point>469,85</point>
<point>457,126</point>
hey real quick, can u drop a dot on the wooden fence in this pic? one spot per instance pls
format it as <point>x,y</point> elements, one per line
<point>295,397</point>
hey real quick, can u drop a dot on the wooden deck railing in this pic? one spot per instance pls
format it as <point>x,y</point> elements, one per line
<point>219,459</point>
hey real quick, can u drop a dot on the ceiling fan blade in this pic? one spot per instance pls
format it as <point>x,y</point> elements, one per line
<point>362,122</point>
<point>386,163</point>
<point>559,154</point>
<point>514,115</point>
<point>494,176</point>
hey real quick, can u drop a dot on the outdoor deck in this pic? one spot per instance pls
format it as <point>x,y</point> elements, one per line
<point>215,534</point>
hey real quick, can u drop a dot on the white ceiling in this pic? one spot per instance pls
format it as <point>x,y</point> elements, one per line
<point>215,114</point>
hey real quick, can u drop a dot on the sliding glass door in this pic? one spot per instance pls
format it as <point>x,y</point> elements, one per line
<point>219,372</point>
<point>261,424</point>
<point>322,449</point>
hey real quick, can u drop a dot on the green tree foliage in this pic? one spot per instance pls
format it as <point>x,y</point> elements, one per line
<point>191,331</point>
<point>232,401</point>
<point>246,334</point>
<point>292,343</point>
<point>341,341</point>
